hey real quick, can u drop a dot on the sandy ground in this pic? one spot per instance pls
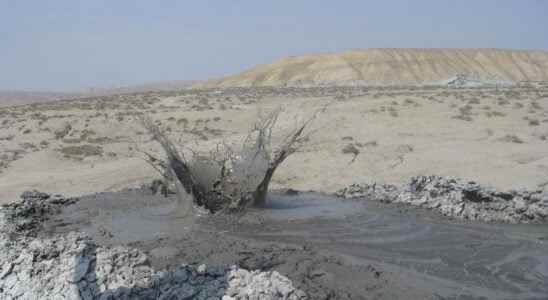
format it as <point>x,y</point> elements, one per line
<point>496,137</point>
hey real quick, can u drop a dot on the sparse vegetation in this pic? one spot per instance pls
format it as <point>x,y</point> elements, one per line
<point>81,151</point>
<point>393,112</point>
<point>351,149</point>
<point>494,113</point>
<point>536,106</point>
<point>7,138</point>
<point>411,103</point>
<point>474,101</point>
<point>511,138</point>
<point>465,113</point>
<point>518,105</point>
<point>86,133</point>
<point>63,131</point>
<point>371,144</point>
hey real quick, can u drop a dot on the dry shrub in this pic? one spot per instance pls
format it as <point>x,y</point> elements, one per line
<point>511,138</point>
<point>79,152</point>
<point>63,131</point>
<point>351,149</point>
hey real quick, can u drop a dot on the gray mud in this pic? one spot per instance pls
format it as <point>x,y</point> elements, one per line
<point>456,198</point>
<point>330,248</point>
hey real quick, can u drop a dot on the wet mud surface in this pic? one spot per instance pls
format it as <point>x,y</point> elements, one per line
<point>328,247</point>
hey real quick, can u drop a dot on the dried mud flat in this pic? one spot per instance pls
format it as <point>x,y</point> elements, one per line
<point>329,248</point>
<point>382,134</point>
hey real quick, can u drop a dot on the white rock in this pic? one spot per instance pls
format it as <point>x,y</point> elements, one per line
<point>202,269</point>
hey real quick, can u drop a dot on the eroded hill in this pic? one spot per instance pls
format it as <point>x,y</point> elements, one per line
<point>394,67</point>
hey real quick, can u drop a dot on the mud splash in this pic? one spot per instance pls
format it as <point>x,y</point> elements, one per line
<point>329,247</point>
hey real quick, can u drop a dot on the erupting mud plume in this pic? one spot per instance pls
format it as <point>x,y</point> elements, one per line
<point>227,179</point>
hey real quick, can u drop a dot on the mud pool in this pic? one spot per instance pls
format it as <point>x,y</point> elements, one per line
<point>355,248</point>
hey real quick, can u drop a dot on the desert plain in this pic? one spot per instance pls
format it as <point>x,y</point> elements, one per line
<point>75,147</point>
<point>425,182</point>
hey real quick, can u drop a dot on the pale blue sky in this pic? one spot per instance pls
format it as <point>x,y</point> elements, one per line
<point>71,44</point>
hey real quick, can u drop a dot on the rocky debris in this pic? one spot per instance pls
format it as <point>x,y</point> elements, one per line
<point>474,80</point>
<point>380,192</point>
<point>34,195</point>
<point>72,266</point>
<point>243,284</point>
<point>457,198</point>
<point>25,216</point>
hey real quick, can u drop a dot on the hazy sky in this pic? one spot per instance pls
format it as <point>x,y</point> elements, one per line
<point>70,44</point>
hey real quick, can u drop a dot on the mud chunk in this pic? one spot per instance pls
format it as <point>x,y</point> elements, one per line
<point>455,197</point>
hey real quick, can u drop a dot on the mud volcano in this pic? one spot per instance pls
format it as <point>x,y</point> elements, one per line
<point>330,248</point>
